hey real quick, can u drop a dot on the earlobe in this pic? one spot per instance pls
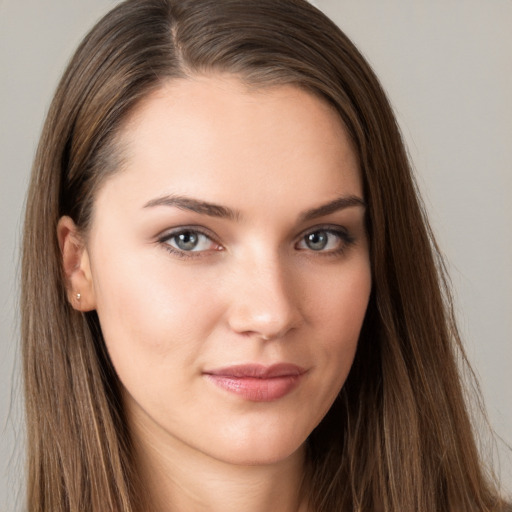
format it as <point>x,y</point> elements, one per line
<point>76,266</point>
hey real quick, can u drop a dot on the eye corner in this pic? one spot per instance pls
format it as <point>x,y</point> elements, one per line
<point>189,242</point>
<point>323,244</point>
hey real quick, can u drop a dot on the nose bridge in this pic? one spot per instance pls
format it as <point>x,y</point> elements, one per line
<point>263,300</point>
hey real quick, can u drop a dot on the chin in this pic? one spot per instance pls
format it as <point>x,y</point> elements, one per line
<point>262,450</point>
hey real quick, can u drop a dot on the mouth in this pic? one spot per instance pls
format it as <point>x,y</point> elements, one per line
<point>257,383</point>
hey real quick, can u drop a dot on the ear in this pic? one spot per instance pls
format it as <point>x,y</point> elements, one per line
<point>76,266</point>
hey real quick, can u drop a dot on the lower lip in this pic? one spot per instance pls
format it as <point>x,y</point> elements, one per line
<point>257,389</point>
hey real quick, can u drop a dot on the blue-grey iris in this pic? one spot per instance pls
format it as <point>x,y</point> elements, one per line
<point>187,241</point>
<point>317,241</point>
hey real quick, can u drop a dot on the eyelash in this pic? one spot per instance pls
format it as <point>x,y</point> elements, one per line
<point>346,240</point>
<point>164,241</point>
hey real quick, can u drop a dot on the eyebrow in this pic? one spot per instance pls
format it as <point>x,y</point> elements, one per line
<point>195,205</point>
<point>215,210</point>
<point>333,206</point>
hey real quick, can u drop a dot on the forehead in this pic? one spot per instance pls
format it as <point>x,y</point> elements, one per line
<point>216,139</point>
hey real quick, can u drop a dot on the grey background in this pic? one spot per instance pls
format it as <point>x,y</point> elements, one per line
<point>447,66</point>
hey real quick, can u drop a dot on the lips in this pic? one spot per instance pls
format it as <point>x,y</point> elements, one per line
<point>257,383</point>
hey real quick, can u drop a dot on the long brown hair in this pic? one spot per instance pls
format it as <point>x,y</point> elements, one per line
<point>399,436</point>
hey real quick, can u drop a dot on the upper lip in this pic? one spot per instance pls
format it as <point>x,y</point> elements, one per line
<point>258,371</point>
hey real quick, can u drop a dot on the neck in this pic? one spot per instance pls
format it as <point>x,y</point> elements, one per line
<point>176,477</point>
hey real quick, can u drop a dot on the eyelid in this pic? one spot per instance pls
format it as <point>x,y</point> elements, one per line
<point>172,232</point>
<point>342,232</point>
<point>331,228</point>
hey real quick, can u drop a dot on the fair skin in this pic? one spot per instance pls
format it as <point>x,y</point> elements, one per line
<point>276,273</point>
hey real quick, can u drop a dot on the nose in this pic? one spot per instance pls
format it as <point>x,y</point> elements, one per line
<point>264,300</point>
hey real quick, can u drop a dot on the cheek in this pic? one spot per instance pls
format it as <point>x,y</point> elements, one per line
<point>151,312</point>
<point>338,314</point>
<point>341,305</point>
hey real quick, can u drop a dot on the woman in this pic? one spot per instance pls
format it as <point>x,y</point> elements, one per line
<point>231,295</point>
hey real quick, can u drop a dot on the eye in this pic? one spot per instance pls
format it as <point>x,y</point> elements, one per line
<point>189,240</point>
<point>325,240</point>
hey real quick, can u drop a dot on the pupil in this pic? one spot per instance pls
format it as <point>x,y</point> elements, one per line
<point>317,241</point>
<point>187,240</point>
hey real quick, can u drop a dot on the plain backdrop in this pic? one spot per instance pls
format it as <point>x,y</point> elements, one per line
<point>447,67</point>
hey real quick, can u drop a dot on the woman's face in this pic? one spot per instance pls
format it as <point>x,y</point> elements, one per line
<point>229,267</point>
